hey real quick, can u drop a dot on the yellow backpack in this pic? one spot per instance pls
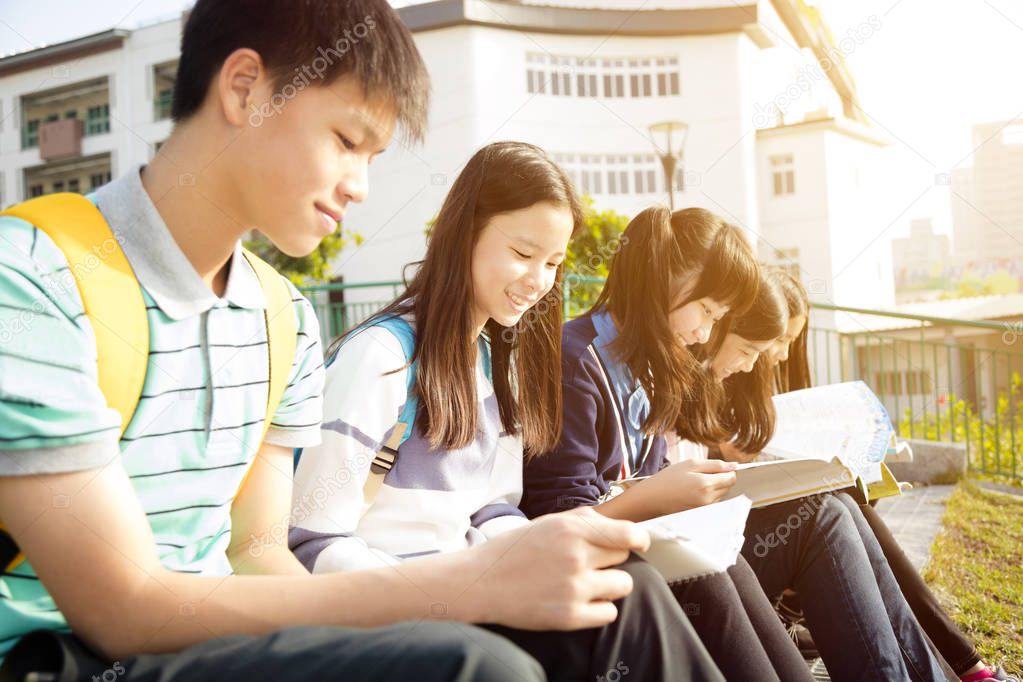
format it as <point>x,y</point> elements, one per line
<point>117,312</point>
<point>116,309</point>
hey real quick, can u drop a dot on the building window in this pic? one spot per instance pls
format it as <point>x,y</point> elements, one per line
<point>30,134</point>
<point>35,191</point>
<point>72,185</point>
<point>97,120</point>
<point>907,382</point>
<point>788,260</point>
<point>783,174</point>
<point>58,185</point>
<point>163,104</point>
<point>615,174</point>
<point>582,77</point>
<point>98,179</point>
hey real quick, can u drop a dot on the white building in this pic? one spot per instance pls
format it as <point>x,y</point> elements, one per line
<point>775,142</point>
<point>586,84</point>
<point>74,114</point>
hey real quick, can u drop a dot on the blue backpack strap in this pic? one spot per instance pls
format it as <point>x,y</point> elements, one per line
<point>484,344</point>
<point>406,335</point>
<point>403,331</point>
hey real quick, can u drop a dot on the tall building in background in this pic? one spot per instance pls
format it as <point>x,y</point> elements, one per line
<point>922,258</point>
<point>987,204</point>
<point>774,140</point>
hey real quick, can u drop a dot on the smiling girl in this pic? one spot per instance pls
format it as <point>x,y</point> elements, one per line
<point>483,385</point>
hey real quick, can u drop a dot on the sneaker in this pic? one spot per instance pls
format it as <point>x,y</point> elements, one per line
<point>790,611</point>
<point>1001,676</point>
<point>804,641</point>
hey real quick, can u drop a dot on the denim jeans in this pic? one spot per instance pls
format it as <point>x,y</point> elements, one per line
<point>422,650</point>
<point>740,628</point>
<point>860,622</point>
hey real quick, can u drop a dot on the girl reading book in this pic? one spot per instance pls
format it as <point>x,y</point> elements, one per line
<point>860,621</point>
<point>787,361</point>
<point>628,379</point>
<point>432,405</point>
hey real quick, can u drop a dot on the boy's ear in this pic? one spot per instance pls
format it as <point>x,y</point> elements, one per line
<point>242,76</point>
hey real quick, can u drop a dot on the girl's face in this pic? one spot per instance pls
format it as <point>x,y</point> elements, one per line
<point>778,352</point>
<point>737,355</point>
<point>516,259</point>
<point>693,322</point>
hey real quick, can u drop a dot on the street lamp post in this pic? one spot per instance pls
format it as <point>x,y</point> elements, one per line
<point>669,139</point>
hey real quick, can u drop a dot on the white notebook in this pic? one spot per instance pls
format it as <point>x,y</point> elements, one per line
<point>698,541</point>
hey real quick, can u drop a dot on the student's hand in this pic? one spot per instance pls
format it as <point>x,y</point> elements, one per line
<point>730,453</point>
<point>688,484</point>
<point>554,573</point>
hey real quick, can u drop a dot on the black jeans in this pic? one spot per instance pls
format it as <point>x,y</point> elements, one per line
<point>739,627</point>
<point>651,640</point>
<point>953,646</point>
<point>432,651</point>
<point>860,622</point>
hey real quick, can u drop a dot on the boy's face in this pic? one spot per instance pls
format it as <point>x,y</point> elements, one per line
<point>302,159</point>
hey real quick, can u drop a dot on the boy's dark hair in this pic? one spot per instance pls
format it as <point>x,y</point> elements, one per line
<point>303,43</point>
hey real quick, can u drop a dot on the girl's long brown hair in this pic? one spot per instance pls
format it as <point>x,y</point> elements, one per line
<point>526,363</point>
<point>662,250</point>
<point>793,374</point>
<point>747,410</point>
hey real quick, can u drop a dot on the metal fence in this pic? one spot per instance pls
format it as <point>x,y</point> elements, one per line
<point>941,379</point>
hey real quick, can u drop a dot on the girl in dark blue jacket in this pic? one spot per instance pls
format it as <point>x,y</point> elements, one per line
<point>674,278</point>
<point>629,379</point>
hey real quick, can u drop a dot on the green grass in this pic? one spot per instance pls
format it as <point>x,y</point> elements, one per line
<point>976,569</point>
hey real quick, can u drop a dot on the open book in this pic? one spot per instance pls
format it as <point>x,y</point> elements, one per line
<point>826,438</point>
<point>698,541</point>
<point>771,482</point>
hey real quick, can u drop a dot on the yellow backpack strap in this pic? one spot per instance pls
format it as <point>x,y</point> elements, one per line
<point>281,331</point>
<point>109,289</point>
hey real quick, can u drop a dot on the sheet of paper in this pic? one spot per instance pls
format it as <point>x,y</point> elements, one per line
<point>840,420</point>
<point>697,541</point>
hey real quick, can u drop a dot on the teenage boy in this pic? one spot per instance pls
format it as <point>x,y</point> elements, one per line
<point>125,553</point>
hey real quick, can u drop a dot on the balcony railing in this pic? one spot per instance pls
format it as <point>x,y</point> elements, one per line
<point>940,378</point>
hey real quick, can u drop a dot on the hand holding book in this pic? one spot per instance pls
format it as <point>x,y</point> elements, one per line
<point>680,486</point>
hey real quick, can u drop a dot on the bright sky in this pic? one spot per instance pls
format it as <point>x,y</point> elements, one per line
<point>933,69</point>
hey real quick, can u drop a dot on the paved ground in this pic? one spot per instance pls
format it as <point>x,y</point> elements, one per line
<point>914,518</point>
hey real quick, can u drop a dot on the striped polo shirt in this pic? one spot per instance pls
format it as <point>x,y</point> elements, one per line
<point>198,423</point>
